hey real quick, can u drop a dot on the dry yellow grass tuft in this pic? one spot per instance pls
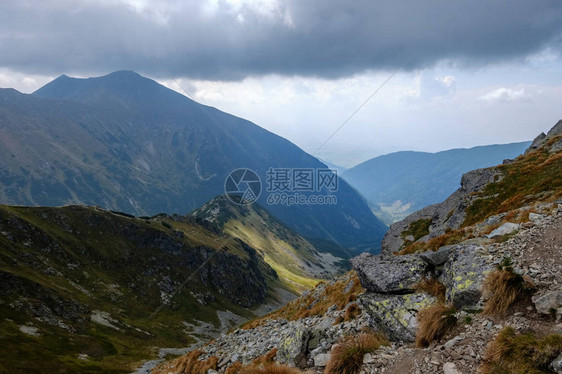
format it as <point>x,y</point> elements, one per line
<point>188,364</point>
<point>347,356</point>
<point>270,369</point>
<point>450,237</point>
<point>434,322</point>
<point>521,353</point>
<point>433,287</point>
<point>503,288</point>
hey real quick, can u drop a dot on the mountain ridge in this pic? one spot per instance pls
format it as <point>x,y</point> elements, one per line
<point>400,183</point>
<point>105,141</point>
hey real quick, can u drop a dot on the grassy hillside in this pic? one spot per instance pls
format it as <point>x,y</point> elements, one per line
<point>298,263</point>
<point>531,180</point>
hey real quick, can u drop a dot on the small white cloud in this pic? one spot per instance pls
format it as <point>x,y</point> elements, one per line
<point>506,94</point>
<point>447,80</point>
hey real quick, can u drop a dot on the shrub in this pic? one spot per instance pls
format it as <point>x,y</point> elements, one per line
<point>269,368</point>
<point>347,356</point>
<point>434,322</point>
<point>433,287</point>
<point>503,288</point>
<point>521,353</point>
<point>418,229</point>
<point>189,364</point>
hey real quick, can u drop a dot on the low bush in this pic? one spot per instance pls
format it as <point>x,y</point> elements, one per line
<point>433,287</point>
<point>347,356</point>
<point>434,322</point>
<point>503,288</point>
<point>189,364</point>
<point>517,353</point>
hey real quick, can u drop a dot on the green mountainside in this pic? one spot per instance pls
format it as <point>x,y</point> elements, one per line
<point>89,290</point>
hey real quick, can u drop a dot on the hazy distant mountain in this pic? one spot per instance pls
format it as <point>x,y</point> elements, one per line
<point>400,183</point>
<point>126,143</point>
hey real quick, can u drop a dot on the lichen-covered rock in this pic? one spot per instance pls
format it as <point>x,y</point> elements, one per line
<point>395,315</point>
<point>464,273</point>
<point>390,274</point>
<point>293,346</point>
<point>549,303</point>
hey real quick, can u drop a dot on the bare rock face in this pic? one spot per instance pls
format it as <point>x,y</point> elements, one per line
<point>392,274</point>
<point>542,139</point>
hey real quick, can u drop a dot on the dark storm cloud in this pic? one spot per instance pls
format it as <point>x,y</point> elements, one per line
<point>323,38</point>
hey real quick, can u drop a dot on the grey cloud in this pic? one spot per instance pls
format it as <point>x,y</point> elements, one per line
<point>324,38</point>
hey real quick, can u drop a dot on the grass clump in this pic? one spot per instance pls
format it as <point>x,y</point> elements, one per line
<point>433,244</point>
<point>347,356</point>
<point>432,287</point>
<point>352,311</point>
<point>188,364</point>
<point>521,353</point>
<point>418,229</point>
<point>434,322</point>
<point>503,288</point>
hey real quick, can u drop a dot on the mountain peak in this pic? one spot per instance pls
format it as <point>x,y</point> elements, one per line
<point>123,87</point>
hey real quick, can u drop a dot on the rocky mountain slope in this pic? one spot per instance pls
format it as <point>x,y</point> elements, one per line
<point>124,142</point>
<point>84,289</point>
<point>401,183</point>
<point>476,288</point>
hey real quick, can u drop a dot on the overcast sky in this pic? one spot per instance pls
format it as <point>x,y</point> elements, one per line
<point>466,72</point>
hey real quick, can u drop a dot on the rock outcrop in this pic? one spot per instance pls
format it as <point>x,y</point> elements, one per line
<point>389,275</point>
<point>448,215</point>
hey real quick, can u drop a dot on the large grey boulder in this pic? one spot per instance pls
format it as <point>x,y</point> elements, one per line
<point>395,315</point>
<point>464,273</point>
<point>293,346</point>
<point>550,302</point>
<point>439,257</point>
<point>505,229</point>
<point>391,274</point>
